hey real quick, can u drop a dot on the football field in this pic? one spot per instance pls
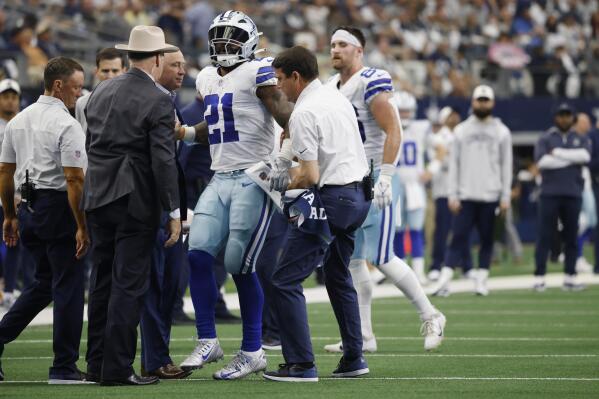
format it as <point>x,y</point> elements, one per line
<point>509,344</point>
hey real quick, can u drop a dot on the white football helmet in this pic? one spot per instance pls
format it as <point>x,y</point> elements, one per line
<point>233,38</point>
<point>406,105</point>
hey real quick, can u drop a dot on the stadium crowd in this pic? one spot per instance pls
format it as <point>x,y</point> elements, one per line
<point>431,48</point>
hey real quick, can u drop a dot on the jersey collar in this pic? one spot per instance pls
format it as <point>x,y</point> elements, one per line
<point>49,100</point>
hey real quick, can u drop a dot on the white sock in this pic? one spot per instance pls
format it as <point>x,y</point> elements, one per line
<point>253,354</point>
<point>418,266</point>
<point>363,285</point>
<point>483,274</point>
<point>445,276</point>
<point>405,279</point>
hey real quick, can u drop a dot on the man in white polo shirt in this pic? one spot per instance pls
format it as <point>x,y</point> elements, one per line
<point>326,140</point>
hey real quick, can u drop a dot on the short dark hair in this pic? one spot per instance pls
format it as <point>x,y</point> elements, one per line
<point>354,31</point>
<point>298,59</point>
<point>139,56</point>
<point>109,53</point>
<point>59,68</point>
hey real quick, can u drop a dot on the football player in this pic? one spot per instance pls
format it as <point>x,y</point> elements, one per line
<point>412,194</point>
<point>370,91</point>
<point>241,98</point>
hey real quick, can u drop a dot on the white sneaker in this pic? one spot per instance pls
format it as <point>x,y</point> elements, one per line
<point>571,283</point>
<point>8,299</point>
<point>441,288</point>
<point>206,351</point>
<point>480,283</point>
<point>433,331</point>
<point>242,365</point>
<point>583,265</point>
<point>433,275</point>
<point>368,345</point>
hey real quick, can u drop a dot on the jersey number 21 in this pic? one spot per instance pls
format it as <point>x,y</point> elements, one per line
<point>212,116</point>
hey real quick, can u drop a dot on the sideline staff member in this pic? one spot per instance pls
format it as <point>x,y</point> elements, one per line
<point>326,139</point>
<point>45,143</point>
<point>132,178</point>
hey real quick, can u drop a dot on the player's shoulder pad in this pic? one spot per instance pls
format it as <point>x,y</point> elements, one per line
<point>375,81</point>
<point>262,71</point>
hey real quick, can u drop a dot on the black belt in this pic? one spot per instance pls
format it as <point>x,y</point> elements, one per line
<point>354,184</point>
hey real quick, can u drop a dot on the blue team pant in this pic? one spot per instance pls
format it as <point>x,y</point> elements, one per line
<point>346,210</point>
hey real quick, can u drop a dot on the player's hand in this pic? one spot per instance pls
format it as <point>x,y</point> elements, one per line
<point>426,176</point>
<point>383,193</point>
<point>82,241</point>
<point>504,206</point>
<point>10,231</point>
<point>455,206</point>
<point>174,230</point>
<point>279,175</point>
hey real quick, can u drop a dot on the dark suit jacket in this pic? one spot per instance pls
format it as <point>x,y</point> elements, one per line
<point>594,164</point>
<point>130,147</point>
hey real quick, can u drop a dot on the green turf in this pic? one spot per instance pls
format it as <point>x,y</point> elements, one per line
<point>503,340</point>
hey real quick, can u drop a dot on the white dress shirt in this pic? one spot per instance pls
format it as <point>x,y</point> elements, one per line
<point>324,128</point>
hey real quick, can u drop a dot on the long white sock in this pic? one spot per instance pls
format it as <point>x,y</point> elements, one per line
<point>363,285</point>
<point>405,279</point>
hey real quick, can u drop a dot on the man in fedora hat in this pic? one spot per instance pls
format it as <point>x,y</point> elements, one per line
<point>131,179</point>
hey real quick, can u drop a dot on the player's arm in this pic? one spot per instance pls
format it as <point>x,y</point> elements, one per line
<point>193,134</point>
<point>276,103</point>
<point>305,175</point>
<point>387,119</point>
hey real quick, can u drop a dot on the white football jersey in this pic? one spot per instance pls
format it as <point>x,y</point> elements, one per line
<point>413,147</point>
<point>241,130</point>
<point>444,138</point>
<point>360,90</point>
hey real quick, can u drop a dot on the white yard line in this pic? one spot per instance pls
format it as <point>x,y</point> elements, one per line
<point>319,295</point>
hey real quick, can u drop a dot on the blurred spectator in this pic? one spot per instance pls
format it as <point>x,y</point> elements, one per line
<point>45,40</point>
<point>199,17</point>
<point>136,14</point>
<point>171,21</point>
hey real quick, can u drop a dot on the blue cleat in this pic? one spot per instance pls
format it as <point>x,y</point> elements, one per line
<point>292,373</point>
<point>351,368</point>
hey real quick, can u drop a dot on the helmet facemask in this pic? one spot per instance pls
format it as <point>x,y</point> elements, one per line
<point>232,41</point>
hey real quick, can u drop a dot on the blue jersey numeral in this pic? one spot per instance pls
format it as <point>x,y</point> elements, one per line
<point>408,156</point>
<point>212,116</point>
<point>368,73</point>
<point>360,125</point>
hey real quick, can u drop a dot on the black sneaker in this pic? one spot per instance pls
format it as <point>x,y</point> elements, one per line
<point>271,343</point>
<point>77,377</point>
<point>351,368</point>
<point>292,373</point>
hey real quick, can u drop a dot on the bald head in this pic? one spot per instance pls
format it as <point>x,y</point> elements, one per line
<point>583,124</point>
<point>173,72</point>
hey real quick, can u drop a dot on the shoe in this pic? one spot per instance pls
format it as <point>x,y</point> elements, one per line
<point>433,275</point>
<point>442,292</point>
<point>571,283</point>
<point>353,368</point>
<point>292,373</point>
<point>8,299</point>
<point>77,377</point>
<point>226,318</point>
<point>271,344</point>
<point>480,283</point>
<point>539,287</point>
<point>133,379</point>
<point>583,265</point>
<point>182,319</point>
<point>368,345</point>
<point>93,377</point>
<point>433,331</point>
<point>167,372</point>
<point>206,351</point>
<point>241,365</point>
